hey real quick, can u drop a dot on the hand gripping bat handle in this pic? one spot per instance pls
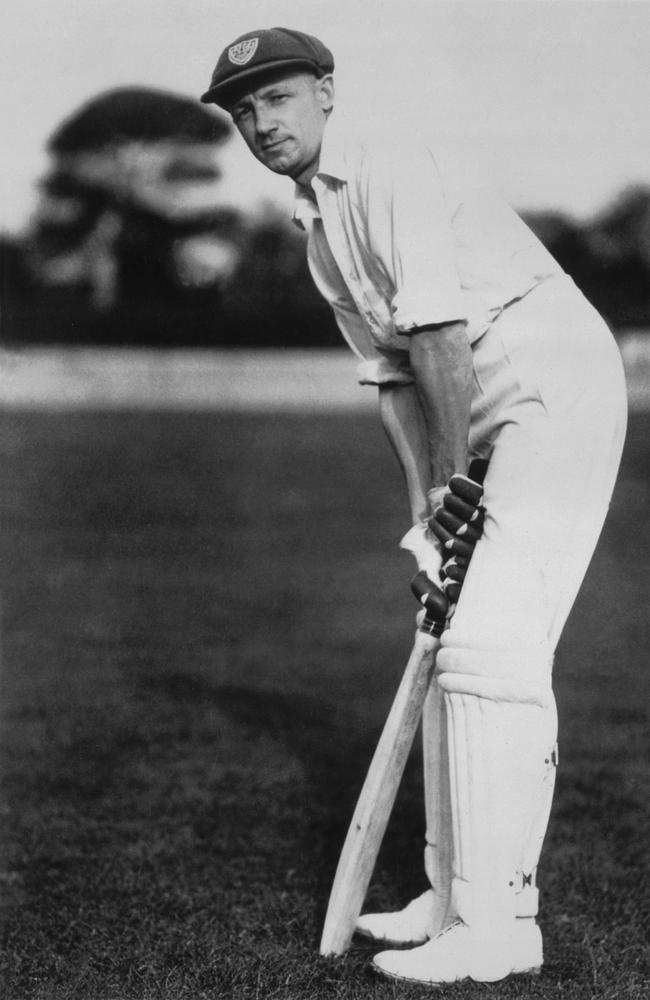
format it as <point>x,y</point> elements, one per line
<point>434,602</point>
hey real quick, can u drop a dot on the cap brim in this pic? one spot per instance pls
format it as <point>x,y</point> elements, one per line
<point>222,91</point>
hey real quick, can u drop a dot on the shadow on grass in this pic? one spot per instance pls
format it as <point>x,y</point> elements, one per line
<point>333,757</point>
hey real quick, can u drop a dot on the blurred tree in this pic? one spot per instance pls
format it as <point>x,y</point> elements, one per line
<point>271,299</point>
<point>566,240</point>
<point>608,256</point>
<point>619,240</point>
<point>132,243</point>
<point>622,231</point>
<point>130,210</point>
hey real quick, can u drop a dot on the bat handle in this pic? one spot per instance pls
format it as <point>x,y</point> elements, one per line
<point>434,602</point>
<point>477,470</point>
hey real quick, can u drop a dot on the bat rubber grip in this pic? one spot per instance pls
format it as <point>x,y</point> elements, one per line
<point>434,602</point>
<point>477,470</point>
<point>432,627</point>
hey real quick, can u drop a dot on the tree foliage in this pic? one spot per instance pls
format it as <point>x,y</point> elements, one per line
<point>608,256</point>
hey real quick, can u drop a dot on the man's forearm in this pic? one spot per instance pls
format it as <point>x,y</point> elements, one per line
<point>441,360</point>
<point>403,421</point>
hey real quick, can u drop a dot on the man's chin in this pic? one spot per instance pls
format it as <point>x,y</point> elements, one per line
<point>280,168</point>
<point>279,164</point>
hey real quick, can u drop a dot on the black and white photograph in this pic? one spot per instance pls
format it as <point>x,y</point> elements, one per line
<point>324,479</point>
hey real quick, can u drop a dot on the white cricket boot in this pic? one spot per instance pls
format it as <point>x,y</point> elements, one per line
<point>444,959</point>
<point>498,744</point>
<point>426,915</point>
<point>403,928</point>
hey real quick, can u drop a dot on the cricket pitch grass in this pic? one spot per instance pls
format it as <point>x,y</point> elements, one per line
<point>204,620</point>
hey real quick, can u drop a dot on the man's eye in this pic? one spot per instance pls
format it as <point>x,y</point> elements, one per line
<point>278,98</point>
<point>240,114</point>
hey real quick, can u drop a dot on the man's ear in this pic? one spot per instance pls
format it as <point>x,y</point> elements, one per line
<point>325,92</point>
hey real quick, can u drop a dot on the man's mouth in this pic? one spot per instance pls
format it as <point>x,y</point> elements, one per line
<point>272,145</point>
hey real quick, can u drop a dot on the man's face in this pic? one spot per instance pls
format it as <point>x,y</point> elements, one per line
<point>282,122</point>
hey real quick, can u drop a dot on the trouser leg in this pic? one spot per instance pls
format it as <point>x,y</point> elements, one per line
<point>546,494</point>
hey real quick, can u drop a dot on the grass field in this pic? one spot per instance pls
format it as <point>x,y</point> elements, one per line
<point>204,619</point>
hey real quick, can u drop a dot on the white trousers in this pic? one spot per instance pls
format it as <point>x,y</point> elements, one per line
<point>549,412</point>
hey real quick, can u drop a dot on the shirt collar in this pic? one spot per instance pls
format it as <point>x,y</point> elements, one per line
<point>332,163</point>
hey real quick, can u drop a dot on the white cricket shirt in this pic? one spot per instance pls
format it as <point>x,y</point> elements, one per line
<point>396,242</point>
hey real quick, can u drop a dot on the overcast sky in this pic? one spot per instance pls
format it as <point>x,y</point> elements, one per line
<point>554,94</point>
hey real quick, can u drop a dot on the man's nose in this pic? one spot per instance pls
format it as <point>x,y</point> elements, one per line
<point>265,122</point>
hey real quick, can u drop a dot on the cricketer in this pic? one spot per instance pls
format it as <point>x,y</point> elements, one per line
<point>479,346</point>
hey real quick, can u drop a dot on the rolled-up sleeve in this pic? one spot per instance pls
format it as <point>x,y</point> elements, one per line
<point>377,366</point>
<point>411,236</point>
<point>384,370</point>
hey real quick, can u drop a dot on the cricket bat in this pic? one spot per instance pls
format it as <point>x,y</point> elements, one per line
<point>377,797</point>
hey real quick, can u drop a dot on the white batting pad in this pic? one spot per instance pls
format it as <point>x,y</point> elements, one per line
<point>438,849</point>
<point>497,757</point>
<point>527,897</point>
<point>522,675</point>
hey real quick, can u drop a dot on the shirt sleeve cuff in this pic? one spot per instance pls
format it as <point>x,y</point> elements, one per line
<point>383,371</point>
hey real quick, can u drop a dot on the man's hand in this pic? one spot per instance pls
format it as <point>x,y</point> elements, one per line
<point>457,522</point>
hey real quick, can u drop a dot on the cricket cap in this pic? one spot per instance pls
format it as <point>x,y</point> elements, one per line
<point>263,51</point>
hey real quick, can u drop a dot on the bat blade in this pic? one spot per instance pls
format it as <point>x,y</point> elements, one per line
<point>376,799</point>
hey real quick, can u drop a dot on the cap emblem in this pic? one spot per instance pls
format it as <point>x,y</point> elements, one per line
<point>243,52</point>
